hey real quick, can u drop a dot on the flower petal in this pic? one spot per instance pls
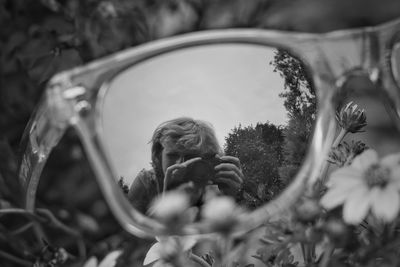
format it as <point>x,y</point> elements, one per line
<point>110,259</point>
<point>395,177</point>
<point>153,254</point>
<point>386,203</point>
<point>350,183</point>
<point>347,175</point>
<point>335,196</point>
<point>357,205</point>
<point>391,160</point>
<point>188,242</point>
<point>365,159</point>
<point>91,262</point>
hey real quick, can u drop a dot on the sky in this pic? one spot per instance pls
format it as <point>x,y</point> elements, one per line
<point>225,84</point>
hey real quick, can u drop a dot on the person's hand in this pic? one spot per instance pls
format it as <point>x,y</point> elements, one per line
<point>175,174</point>
<point>229,176</point>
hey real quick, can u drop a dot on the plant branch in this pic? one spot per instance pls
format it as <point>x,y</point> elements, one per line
<point>57,223</point>
<point>22,212</point>
<point>46,216</point>
<point>22,228</point>
<point>37,219</point>
<point>14,259</point>
<point>324,169</point>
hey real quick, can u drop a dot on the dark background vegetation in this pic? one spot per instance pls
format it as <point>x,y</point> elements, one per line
<point>41,37</point>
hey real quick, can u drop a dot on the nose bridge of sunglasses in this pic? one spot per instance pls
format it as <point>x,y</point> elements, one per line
<point>358,81</point>
<point>344,56</point>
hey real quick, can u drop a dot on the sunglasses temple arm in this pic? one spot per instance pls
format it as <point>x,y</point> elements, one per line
<point>41,135</point>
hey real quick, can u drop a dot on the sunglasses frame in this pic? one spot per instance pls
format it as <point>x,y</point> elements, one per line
<point>74,98</point>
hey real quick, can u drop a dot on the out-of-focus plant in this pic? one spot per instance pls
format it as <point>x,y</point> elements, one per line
<point>43,37</point>
<point>39,38</point>
<point>109,260</point>
<point>222,215</point>
<point>351,218</point>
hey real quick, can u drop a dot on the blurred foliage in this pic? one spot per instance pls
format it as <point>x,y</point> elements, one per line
<point>37,40</point>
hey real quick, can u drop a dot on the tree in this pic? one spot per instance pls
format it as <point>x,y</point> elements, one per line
<point>300,104</point>
<point>259,149</point>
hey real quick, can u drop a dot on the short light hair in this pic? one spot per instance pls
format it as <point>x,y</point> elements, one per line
<point>186,134</point>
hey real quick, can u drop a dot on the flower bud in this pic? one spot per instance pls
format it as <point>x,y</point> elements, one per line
<point>221,212</point>
<point>340,233</point>
<point>308,211</point>
<point>351,118</point>
<point>170,250</point>
<point>170,206</point>
<point>313,234</point>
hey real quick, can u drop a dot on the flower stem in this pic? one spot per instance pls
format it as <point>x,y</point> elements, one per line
<point>340,137</point>
<point>324,169</point>
<point>221,250</point>
<point>227,245</point>
<point>326,256</point>
<point>308,253</point>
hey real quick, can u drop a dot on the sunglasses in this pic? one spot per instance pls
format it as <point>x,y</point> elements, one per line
<point>134,90</point>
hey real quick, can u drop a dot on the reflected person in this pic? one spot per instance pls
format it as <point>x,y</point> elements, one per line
<point>176,147</point>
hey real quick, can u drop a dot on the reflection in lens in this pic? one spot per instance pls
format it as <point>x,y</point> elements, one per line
<point>395,60</point>
<point>274,153</point>
<point>231,119</point>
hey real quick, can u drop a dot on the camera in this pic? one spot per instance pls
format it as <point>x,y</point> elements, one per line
<point>202,172</point>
